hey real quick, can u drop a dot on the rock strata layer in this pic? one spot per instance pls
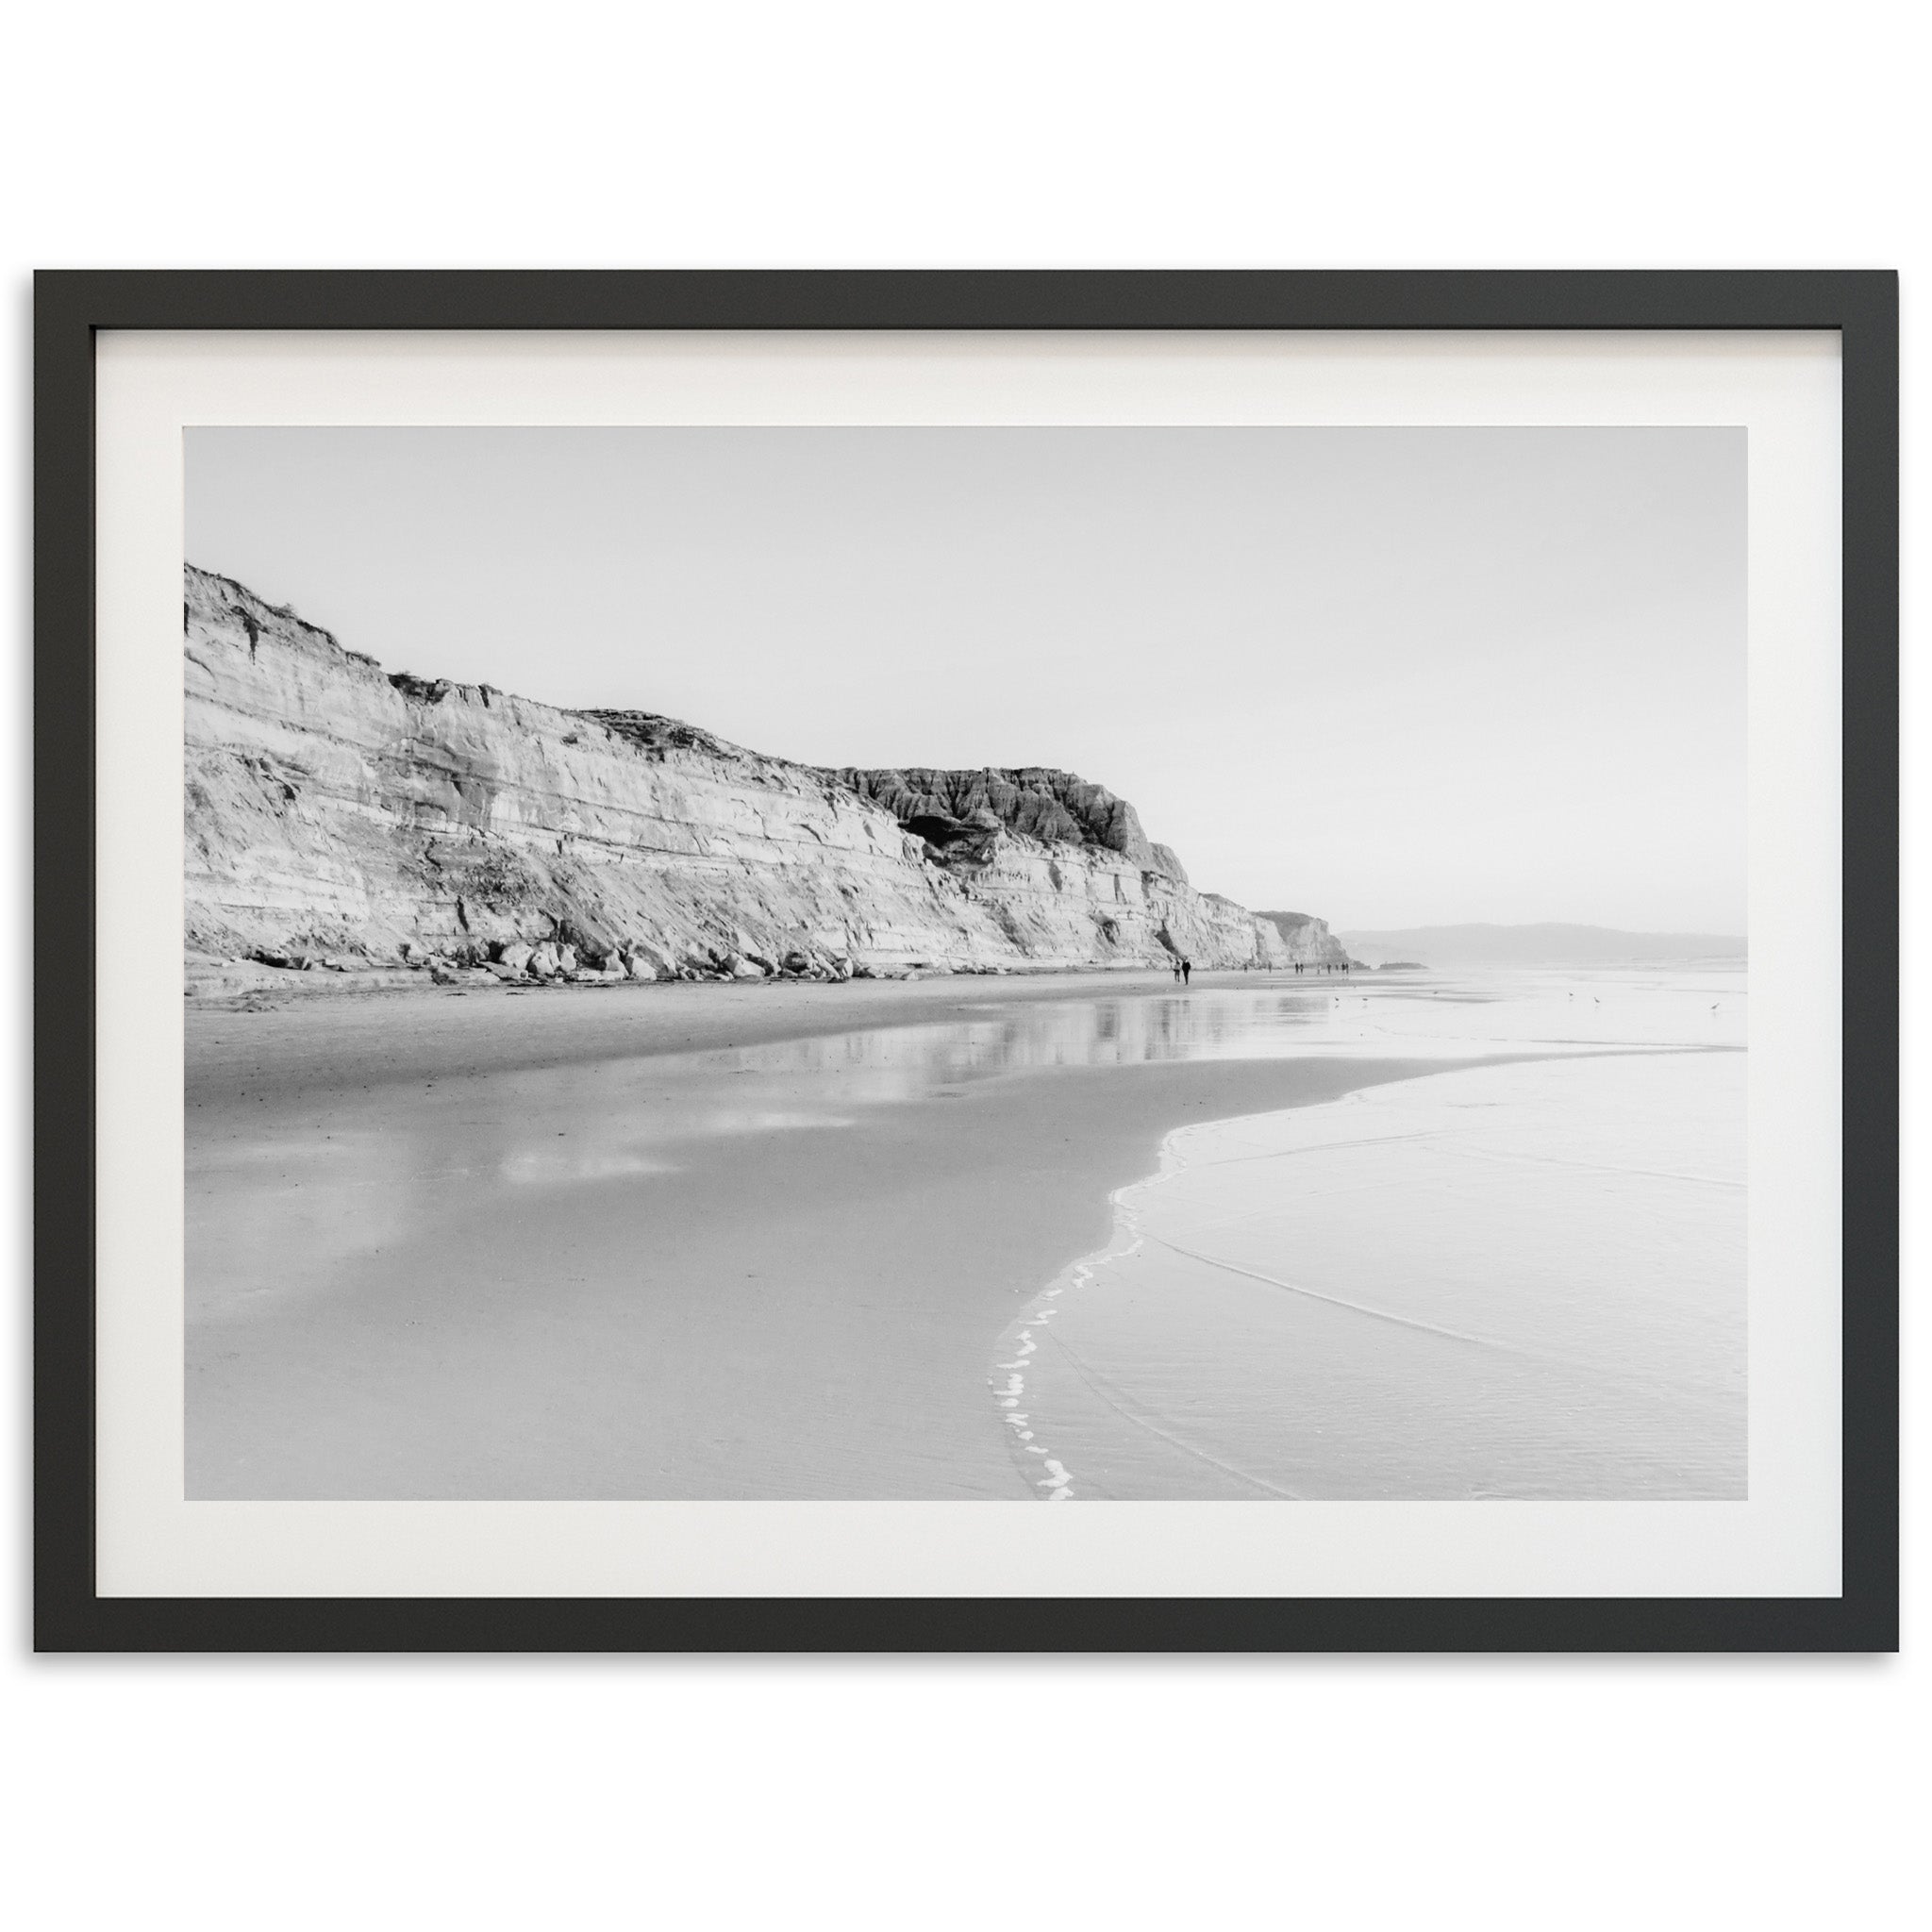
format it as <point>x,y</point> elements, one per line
<point>341,817</point>
<point>1308,938</point>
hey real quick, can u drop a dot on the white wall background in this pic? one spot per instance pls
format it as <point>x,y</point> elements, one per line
<point>905,1794</point>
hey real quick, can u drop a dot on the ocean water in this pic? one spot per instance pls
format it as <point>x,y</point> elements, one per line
<point>841,1266</point>
<point>1519,1280</point>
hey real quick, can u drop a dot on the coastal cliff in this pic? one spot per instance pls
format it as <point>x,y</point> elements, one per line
<point>1309,938</point>
<point>340,816</point>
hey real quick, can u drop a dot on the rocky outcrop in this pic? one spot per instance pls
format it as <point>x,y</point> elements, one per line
<point>340,816</point>
<point>957,812</point>
<point>1308,938</point>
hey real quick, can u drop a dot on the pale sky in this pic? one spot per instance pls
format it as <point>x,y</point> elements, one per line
<point>1388,676</point>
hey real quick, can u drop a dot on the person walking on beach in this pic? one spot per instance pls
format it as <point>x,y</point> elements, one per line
<point>1176,972</point>
<point>1187,972</point>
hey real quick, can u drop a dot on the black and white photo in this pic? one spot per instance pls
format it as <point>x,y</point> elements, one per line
<point>1054,964</point>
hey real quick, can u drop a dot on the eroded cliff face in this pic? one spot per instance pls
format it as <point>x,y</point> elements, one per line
<point>954,811</point>
<point>337,814</point>
<point>1308,938</point>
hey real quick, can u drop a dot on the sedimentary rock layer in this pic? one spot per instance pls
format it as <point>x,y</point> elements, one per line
<point>1309,938</point>
<point>336,813</point>
<point>961,809</point>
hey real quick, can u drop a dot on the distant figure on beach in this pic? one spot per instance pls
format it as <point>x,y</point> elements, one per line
<point>1187,972</point>
<point>1176,972</point>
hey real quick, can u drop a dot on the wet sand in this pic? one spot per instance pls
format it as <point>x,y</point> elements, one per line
<point>275,1043</point>
<point>696,1241</point>
<point>1522,1281</point>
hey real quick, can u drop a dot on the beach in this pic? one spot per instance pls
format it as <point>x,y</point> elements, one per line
<point>1524,1280</point>
<point>760,1241</point>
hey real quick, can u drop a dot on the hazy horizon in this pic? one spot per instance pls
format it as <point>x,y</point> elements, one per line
<point>1481,945</point>
<point>1531,925</point>
<point>1391,677</point>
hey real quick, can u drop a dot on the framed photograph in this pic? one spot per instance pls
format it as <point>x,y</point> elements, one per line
<point>720,931</point>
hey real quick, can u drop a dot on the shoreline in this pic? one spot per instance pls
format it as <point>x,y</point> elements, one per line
<point>709,1242</point>
<point>484,1285</point>
<point>1617,1389</point>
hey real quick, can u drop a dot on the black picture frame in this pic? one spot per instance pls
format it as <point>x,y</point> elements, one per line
<point>72,308</point>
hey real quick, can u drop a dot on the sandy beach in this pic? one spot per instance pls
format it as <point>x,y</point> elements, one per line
<point>765,1242</point>
<point>316,1035</point>
<point>679,1241</point>
<point>1519,1280</point>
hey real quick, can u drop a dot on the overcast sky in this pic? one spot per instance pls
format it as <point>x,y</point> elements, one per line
<point>1390,676</point>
